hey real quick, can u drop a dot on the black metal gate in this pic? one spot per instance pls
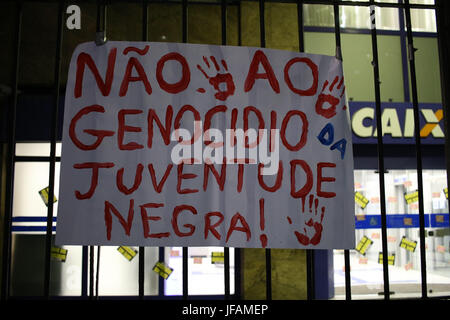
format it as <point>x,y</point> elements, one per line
<point>9,157</point>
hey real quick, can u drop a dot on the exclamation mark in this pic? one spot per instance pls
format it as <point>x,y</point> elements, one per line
<point>262,223</point>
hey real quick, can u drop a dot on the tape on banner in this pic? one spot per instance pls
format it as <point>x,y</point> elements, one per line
<point>127,252</point>
<point>408,244</point>
<point>363,245</point>
<point>217,257</point>
<point>391,259</point>
<point>361,200</point>
<point>162,269</point>
<point>411,197</point>
<point>59,254</point>
<point>44,195</point>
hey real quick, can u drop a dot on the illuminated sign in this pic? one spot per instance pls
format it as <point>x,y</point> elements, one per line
<point>397,121</point>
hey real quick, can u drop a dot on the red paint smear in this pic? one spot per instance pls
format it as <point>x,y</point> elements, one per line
<point>324,85</point>
<point>340,83</point>
<point>213,59</point>
<point>289,220</point>
<point>263,239</point>
<point>201,90</point>
<point>334,83</point>
<point>134,49</point>
<point>303,203</point>
<point>311,198</point>
<point>224,63</point>
<point>204,73</point>
<point>261,214</point>
<point>206,61</point>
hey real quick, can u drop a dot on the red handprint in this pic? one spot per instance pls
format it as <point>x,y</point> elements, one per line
<point>315,225</point>
<point>331,99</point>
<point>226,78</point>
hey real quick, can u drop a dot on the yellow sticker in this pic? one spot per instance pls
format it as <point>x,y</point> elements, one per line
<point>391,258</point>
<point>127,252</point>
<point>162,269</point>
<point>363,245</point>
<point>44,195</point>
<point>412,197</point>
<point>59,254</point>
<point>361,200</point>
<point>446,193</point>
<point>217,257</point>
<point>408,244</point>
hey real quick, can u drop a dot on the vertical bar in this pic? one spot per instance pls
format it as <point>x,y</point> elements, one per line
<point>381,168</point>
<point>97,272</point>
<point>161,257</point>
<point>310,283</point>
<point>100,31</point>
<point>239,13</point>
<point>185,249</point>
<point>262,27</point>
<point>412,71</point>
<point>84,272</point>
<point>237,251</point>
<point>262,33</point>
<point>337,38</point>
<point>53,136</point>
<point>12,110</point>
<point>101,16</point>
<point>310,275</point>
<point>404,54</point>
<point>141,277</point>
<point>91,272</point>
<point>185,273</point>
<point>184,21</point>
<point>226,250</point>
<point>348,282</point>
<point>301,36</point>
<point>443,29</point>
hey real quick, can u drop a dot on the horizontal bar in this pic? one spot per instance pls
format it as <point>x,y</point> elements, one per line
<point>31,229</point>
<point>367,221</point>
<point>31,219</point>
<point>34,159</point>
<point>396,221</point>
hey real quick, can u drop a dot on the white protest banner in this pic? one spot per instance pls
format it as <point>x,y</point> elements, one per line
<point>168,144</point>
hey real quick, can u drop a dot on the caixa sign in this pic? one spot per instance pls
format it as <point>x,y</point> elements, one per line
<point>397,122</point>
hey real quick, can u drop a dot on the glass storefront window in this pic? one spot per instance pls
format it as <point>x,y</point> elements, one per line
<point>118,275</point>
<point>402,236</point>
<point>205,269</point>
<point>350,17</point>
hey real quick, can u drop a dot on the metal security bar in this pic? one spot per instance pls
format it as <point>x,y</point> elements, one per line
<point>88,270</point>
